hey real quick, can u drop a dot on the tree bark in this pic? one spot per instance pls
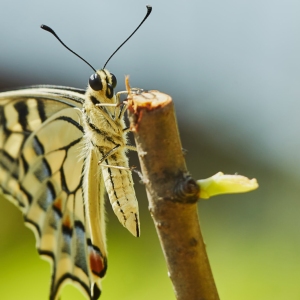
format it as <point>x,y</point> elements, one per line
<point>172,194</point>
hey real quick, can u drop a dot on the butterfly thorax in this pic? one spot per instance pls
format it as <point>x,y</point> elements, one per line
<point>103,124</point>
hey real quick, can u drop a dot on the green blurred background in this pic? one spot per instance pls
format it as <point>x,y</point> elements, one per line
<point>233,70</point>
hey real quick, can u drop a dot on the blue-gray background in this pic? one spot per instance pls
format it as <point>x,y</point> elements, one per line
<point>233,70</point>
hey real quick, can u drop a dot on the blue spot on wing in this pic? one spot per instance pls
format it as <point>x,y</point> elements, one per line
<point>37,146</point>
<point>47,197</point>
<point>80,256</point>
<point>43,171</point>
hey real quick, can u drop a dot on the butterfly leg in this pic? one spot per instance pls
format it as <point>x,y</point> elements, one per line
<point>108,154</point>
<point>122,111</point>
<point>131,148</point>
<point>108,117</point>
<point>118,167</point>
<point>100,162</point>
<point>119,94</point>
<point>116,105</point>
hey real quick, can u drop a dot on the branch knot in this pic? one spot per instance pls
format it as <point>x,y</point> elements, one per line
<point>186,190</point>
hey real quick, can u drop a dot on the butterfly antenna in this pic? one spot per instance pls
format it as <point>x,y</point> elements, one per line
<point>149,9</point>
<point>47,28</point>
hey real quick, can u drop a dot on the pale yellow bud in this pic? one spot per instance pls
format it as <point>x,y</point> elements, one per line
<point>225,184</point>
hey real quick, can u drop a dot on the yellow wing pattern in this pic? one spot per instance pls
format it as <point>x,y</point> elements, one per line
<point>41,171</point>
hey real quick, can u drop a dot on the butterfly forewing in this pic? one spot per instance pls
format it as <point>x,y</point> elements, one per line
<point>51,140</point>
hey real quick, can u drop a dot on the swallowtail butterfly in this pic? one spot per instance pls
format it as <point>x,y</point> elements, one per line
<point>60,148</point>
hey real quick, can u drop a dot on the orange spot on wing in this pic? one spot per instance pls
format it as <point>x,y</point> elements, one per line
<point>57,203</point>
<point>96,263</point>
<point>67,222</point>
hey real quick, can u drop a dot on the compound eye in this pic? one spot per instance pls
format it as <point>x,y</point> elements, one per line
<point>113,80</point>
<point>95,82</point>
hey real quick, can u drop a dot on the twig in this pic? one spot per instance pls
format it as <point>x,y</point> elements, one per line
<point>172,194</point>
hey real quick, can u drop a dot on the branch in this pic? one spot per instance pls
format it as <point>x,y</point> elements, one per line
<point>172,194</point>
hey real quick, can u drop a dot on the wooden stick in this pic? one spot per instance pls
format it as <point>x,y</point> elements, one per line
<point>172,194</point>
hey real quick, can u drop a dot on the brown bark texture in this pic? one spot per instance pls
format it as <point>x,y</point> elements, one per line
<point>172,194</point>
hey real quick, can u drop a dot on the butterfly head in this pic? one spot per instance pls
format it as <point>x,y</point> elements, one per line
<point>102,84</point>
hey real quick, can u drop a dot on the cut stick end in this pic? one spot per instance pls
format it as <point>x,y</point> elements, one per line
<point>139,99</point>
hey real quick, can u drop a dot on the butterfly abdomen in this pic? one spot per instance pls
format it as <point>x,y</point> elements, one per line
<point>119,185</point>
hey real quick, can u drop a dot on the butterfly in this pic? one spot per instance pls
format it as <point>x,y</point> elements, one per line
<point>60,149</point>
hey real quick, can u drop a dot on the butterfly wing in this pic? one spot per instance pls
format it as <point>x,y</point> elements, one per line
<point>42,167</point>
<point>22,112</point>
